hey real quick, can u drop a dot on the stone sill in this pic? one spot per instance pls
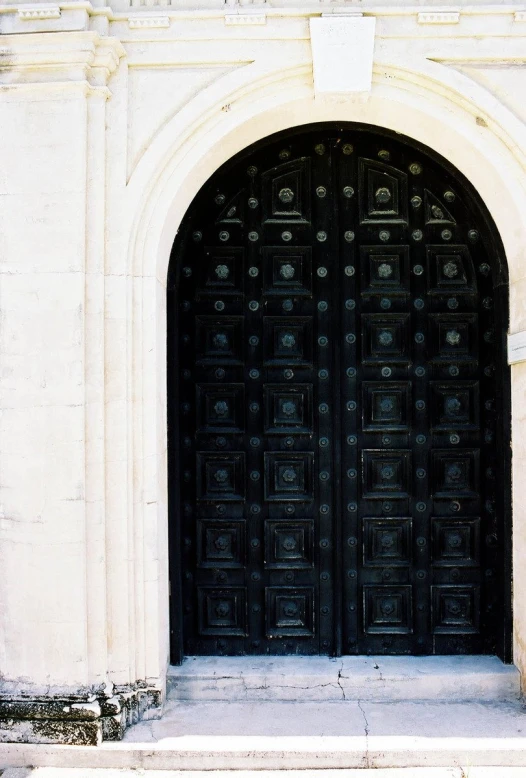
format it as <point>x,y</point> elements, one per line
<point>318,678</point>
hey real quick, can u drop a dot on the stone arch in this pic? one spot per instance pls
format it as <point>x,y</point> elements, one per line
<point>431,104</point>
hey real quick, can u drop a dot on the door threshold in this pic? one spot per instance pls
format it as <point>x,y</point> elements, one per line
<point>318,678</point>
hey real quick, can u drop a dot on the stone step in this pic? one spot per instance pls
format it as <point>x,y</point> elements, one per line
<point>350,735</point>
<point>386,678</point>
<point>403,772</point>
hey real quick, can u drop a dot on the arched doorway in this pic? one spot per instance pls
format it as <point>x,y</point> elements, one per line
<point>338,405</point>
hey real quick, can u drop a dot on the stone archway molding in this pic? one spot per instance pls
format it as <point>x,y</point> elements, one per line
<point>432,103</point>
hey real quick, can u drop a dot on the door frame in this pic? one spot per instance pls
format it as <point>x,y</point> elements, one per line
<point>503,381</point>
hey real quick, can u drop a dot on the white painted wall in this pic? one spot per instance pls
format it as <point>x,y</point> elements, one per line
<point>111,121</point>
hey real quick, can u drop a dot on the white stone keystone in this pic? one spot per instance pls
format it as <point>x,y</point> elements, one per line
<point>342,54</point>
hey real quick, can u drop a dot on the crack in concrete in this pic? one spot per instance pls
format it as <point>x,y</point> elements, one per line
<point>340,671</point>
<point>377,667</point>
<point>366,730</point>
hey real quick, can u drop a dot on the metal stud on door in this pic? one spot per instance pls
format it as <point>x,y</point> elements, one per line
<point>332,363</point>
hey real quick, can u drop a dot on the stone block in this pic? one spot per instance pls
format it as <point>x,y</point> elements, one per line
<point>79,733</point>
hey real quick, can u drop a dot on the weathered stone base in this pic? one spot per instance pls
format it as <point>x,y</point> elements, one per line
<point>86,718</point>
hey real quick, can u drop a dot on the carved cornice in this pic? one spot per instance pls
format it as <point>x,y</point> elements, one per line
<point>29,13</point>
<point>71,57</point>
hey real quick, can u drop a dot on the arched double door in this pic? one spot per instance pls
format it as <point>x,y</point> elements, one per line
<point>338,411</point>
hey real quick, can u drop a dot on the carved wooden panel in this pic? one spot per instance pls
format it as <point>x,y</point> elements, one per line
<point>335,372</point>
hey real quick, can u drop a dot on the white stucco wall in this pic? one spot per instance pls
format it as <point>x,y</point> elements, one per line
<point>111,121</point>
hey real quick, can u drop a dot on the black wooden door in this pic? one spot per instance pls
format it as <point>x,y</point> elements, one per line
<point>333,356</point>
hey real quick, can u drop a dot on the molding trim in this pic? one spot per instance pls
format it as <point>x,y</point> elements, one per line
<point>31,12</point>
<point>438,17</point>
<point>148,22</point>
<point>247,19</point>
<point>71,57</point>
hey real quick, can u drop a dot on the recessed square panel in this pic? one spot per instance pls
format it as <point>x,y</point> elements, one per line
<point>456,541</point>
<point>386,474</point>
<point>222,272</point>
<point>385,338</point>
<point>289,544</point>
<point>382,193</point>
<point>289,476</point>
<point>385,270</point>
<point>386,541</point>
<point>287,270</point>
<point>454,337</point>
<point>219,340</point>
<point>290,611</point>
<point>220,408</point>
<point>387,609</point>
<point>220,477</point>
<point>454,405</point>
<point>455,473</point>
<point>288,409</point>
<point>386,406</point>
<point>450,270</point>
<point>220,543</point>
<point>288,340</point>
<point>455,609</point>
<point>221,611</point>
<point>286,192</point>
